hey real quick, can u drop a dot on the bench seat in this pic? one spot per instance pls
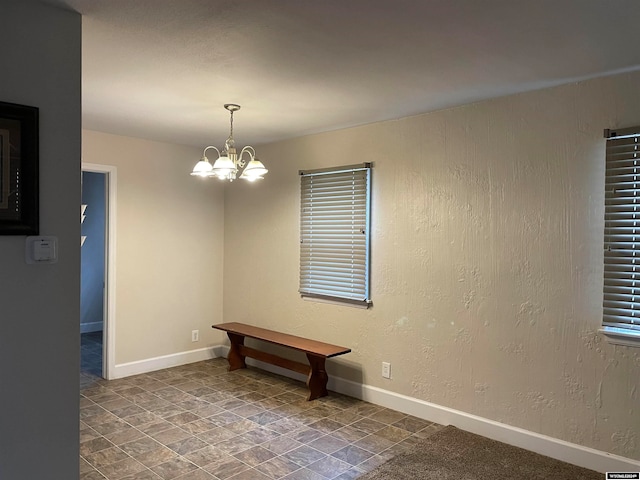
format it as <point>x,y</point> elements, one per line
<point>316,352</point>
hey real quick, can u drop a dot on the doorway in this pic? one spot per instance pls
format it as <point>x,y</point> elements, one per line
<point>97,300</point>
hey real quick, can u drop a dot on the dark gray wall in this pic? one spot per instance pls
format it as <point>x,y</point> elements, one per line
<point>40,304</point>
<point>92,264</point>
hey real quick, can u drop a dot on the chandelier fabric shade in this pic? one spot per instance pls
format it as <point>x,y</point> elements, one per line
<point>229,162</point>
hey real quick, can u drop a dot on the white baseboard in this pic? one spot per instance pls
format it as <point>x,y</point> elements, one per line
<point>166,361</point>
<point>551,447</point>
<point>91,327</point>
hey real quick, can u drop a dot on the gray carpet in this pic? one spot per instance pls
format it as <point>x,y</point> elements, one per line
<point>453,454</point>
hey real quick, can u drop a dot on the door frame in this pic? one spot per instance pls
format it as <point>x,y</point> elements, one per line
<point>109,310</point>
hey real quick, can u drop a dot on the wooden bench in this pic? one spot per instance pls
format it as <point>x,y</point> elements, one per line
<point>317,353</point>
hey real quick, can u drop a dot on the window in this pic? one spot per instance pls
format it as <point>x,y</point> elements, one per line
<point>621,304</point>
<point>334,233</point>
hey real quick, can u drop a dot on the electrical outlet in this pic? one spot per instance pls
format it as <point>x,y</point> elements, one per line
<point>195,335</point>
<point>386,369</point>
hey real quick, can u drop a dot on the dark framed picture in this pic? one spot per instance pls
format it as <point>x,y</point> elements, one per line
<point>19,199</point>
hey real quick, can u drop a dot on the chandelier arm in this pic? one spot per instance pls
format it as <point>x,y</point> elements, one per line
<point>204,153</point>
<point>250,151</point>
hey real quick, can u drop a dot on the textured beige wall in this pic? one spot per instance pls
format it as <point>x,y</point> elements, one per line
<point>169,252</point>
<point>486,260</point>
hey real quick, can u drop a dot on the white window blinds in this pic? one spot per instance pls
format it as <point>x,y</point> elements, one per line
<point>334,233</point>
<point>622,230</point>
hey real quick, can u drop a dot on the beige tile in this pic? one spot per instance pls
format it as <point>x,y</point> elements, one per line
<point>255,456</point>
<point>393,433</point>
<point>116,404</point>
<point>277,467</point>
<point>304,455</point>
<point>259,435</point>
<point>306,435</point>
<point>140,445</point>
<point>183,418</point>
<point>168,411</point>
<point>88,434</point>
<point>428,430</point>
<point>368,425</point>
<point>124,436</point>
<point>207,411</point>
<point>247,411</point>
<point>350,474</point>
<point>156,456</point>
<point>412,424</point>
<point>106,457</point>
<point>235,445</point>
<point>226,467</point>
<point>85,466</point>
<point>374,443</point>
<point>170,436</point>
<point>92,475</point>
<point>252,474</point>
<point>174,468</point>
<point>242,426</point>
<point>143,475</point>
<point>329,467</point>
<point>141,418</point>
<point>346,417</point>
<point>156,426</point>
<point>304,474</point>
<point>328,444</point>
<point>371,463</point>
<point>225,418</point>
<point>94,445</point>
<point>200,422</point>
<point>216,435</point>
<point>352,454</point>
<point>100,419</point>
<point>231,403</point>
<point>187,445</point>
<point>326,425</point>
<point>206,456</point>
<point>197,475</point>
<point>285,425</point>
<point>350,434</point>
<point>111,426</point>
<point>282,444</point>
<point>365,409</point>
<point>119,470</point>
<point>387,416</point>
<point>199,426</point>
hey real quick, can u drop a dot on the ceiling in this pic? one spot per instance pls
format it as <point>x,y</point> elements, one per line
<point>162,69</point>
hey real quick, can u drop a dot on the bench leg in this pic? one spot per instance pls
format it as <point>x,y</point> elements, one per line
<point>318,378</point>
<point>236,359</point>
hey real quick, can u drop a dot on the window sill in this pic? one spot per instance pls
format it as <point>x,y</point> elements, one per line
<point>621,336</point>
<point>342,303</point>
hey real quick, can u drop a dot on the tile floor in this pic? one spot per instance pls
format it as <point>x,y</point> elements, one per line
<point>91,353</point>
<point>200,421</point>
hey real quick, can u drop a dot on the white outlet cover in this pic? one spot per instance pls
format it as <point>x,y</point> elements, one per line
<point>41,250</point>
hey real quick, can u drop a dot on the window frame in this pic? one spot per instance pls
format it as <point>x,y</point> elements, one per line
<point>621,277</point>
<point>343,274</point>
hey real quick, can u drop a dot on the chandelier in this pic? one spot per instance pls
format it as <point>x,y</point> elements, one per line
<point>229,163</point>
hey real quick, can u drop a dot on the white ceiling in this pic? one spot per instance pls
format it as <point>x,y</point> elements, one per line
<point>162,69</point>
